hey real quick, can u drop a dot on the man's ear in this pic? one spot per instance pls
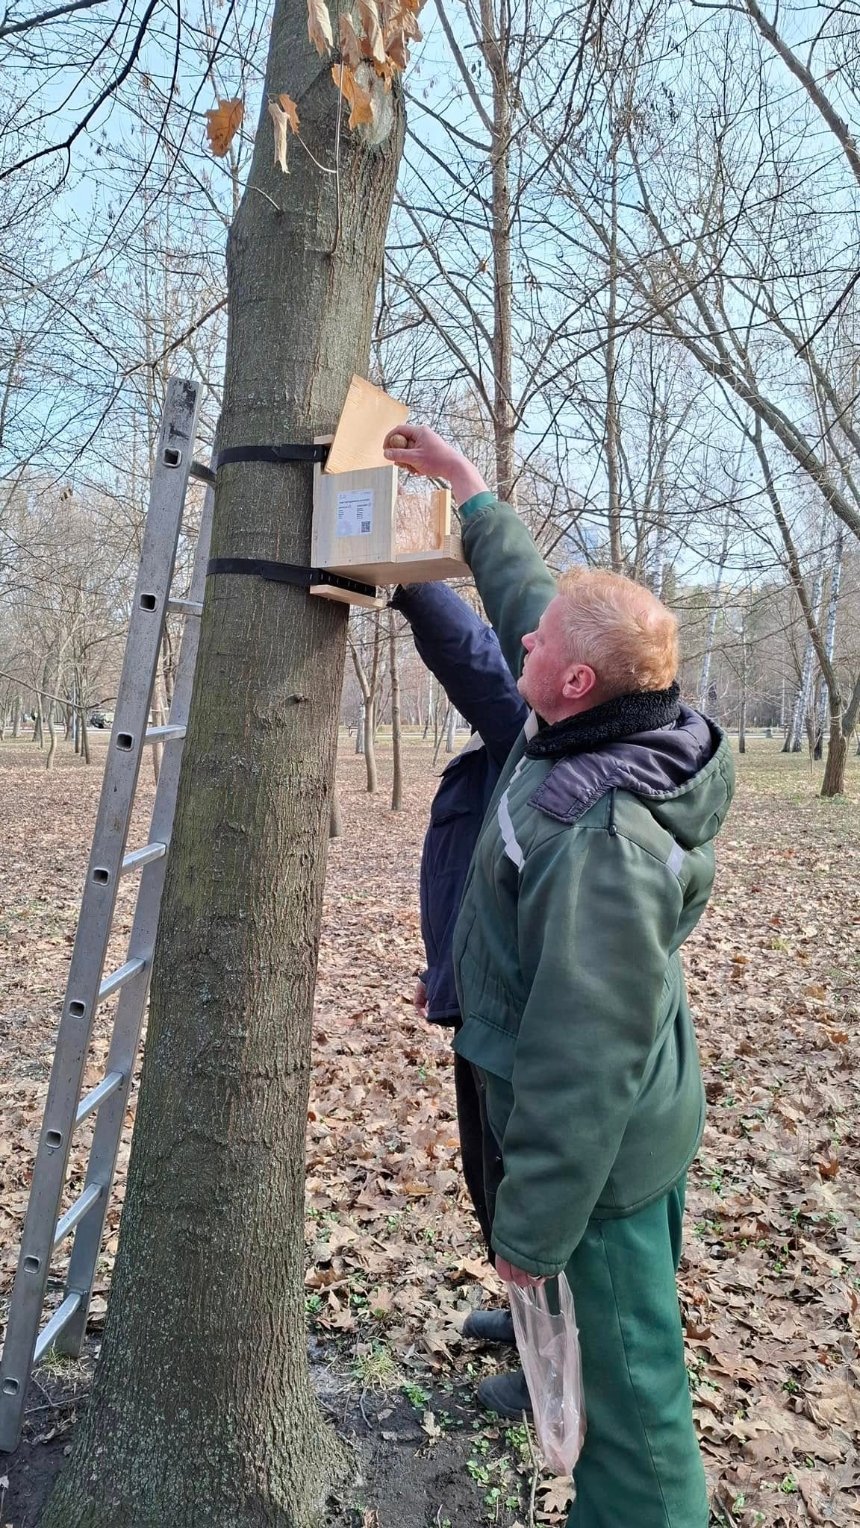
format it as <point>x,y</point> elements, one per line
<point>579,682</point>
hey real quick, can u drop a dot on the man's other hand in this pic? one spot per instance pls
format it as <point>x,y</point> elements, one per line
<point>419,999</point>
<point>511,1275</point>
<point>420,449</point>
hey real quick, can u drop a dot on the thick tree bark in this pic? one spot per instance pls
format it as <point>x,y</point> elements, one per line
<point>202,1413</point>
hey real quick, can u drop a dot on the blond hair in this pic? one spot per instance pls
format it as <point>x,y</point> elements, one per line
<point>620,629</point>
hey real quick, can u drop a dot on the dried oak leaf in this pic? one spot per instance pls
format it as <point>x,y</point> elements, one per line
<point>369,14</point>
<point>284,114</point>
<point>350,45</point>
<point>222,124</point>
<point>319,26</point>
<point>358,99</point>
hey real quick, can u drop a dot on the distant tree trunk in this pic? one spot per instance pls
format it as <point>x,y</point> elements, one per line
<point>52,734</point>
<point>202,1413</point>
<point>359,729</point>
<point>713,617</point>
<point>159,716</point>
<point>431,708</point>
<point>742,718</point>
<point>335,821</point>
<point>613,475</point>
<point>16,719</point>
<point>396,732</point>
<point>85,738</point>
<point>830,632</point>
<point>495,43</point>
<point>803,698</point>
<point>367,684</point>
<point>852,710</point>
<point>451,730</point>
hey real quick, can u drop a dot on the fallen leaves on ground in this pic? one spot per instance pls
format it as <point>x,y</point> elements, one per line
<point>769,1282</point>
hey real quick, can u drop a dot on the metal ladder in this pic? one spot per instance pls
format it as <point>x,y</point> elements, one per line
<point>88,986</point>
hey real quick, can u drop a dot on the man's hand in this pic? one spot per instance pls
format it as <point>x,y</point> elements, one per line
<point>419,999</point>
<point>422,450</point>
<point>511,1275</point>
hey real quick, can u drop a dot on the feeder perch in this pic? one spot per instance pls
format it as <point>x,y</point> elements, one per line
<point>364,526</point>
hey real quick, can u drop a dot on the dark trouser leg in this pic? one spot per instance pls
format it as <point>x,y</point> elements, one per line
<point>469,1123</point>
<point>640,1466</point>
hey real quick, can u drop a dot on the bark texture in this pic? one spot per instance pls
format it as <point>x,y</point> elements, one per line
<point>202,1414</point>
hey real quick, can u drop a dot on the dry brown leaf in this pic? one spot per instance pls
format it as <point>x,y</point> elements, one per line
<point>280,121</point>
<point>290,110</point>
<point>222,125</point>
<point>359,99</point>
<point>397,51</point>
<point>386,72</point>
<point>369,14</point>
<point>319,26</point>
<point>350,45</point>
<point>557,1494</point>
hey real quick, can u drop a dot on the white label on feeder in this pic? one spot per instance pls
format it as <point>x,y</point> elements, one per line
<point>355,512</point>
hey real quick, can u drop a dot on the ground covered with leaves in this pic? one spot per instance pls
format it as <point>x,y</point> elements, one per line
<point>769,1284</point>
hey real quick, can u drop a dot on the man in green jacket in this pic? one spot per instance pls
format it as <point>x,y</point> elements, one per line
<point>594,863</point>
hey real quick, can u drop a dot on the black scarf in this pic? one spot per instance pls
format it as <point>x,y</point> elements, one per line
<point>624,716</point>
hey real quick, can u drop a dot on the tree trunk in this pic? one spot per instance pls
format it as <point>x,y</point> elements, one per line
<point>713,617</point>
<point>431,708</point>
<point>852,710</point>
<point>830,632</point>
<point>742,717</point>
<point>451,730</point>
<point>202,1414</point>
<point>359,730</point>
<point>396,730</point>
<point>85,738</point>
<point>16,719</point>
<point>494,28</point>
<point>335,819</point>
<point>616,553</point>
<point>833,783</point>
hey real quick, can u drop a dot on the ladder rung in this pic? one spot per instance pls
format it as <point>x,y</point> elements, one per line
<point>185,607</point>
<point>144,856</point>
<point>162,734</point>
<point>60,1319</point>
<point>201,471</point>
<point>119,977</point>
<point>97,1095</point>
<point>76,1212</point>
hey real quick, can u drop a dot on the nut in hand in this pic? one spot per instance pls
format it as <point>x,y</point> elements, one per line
<point>397,443</point>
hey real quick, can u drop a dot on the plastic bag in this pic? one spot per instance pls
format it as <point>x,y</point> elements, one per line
<point>548,1343</point>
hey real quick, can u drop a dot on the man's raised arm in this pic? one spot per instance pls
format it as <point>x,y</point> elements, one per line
<point>512,579</point>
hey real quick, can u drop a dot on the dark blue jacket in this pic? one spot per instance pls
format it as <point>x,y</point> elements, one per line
<point>465,657</point>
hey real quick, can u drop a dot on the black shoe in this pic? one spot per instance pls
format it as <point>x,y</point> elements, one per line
<point>490,1326</point>
<point>506,1394</point>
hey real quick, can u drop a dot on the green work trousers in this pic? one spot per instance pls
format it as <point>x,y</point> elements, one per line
<point>640,1465</point>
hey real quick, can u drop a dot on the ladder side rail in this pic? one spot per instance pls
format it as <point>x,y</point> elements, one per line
<point>161,534</point>
<point>132,1003</point>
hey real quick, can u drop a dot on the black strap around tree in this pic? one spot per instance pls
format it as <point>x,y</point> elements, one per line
<point>286,573</point>
<point>281,572</point>
<point>284,453</point>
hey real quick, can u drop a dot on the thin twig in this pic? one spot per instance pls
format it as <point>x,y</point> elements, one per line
<point>728,1517</point>
<point>267,196</point>
<point>535,1472</point>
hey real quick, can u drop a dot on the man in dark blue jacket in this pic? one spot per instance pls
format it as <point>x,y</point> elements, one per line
<point>464,655</point>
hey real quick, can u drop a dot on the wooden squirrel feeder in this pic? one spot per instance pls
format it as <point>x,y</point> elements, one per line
<point>364,526</point>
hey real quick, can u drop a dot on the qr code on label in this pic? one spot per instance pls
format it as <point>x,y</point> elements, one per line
<point>365,528</point>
